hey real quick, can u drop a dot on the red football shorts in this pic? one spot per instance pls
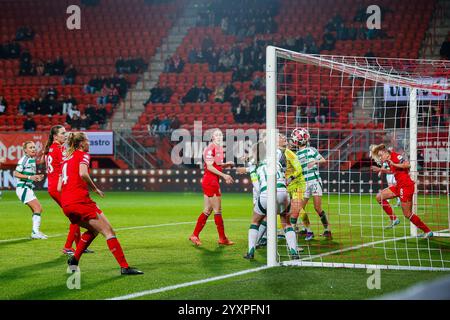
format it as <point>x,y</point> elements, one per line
<point>405,193</point>
<point>211,187</point>
<point>55,195</point>
<point>82,212</point>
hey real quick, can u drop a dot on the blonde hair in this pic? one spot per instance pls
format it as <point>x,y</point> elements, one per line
<point>374,149</point>
<point>25,144</point>
<point>74,141</point>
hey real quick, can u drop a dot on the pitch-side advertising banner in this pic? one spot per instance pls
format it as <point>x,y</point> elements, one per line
<point>395,93</point>
<point>101,143</point>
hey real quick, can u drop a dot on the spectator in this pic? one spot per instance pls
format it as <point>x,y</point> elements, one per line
<point>103,97</point>
<point>102,115</point>
<point>191,95</point>
<point>74,122</point>
<point>29,124</point>
<point>164,126</point>
<point>203,94</point>
<point>229,90</point>
<point>192,56</point>
<point>51,92</point>
<point>178,64</point>
<point>169,65</point>
<point>175,123</point>
<point>84,122</point>
<point>256,83</point>
<point>22,107</point>
<point>113,95</point>
<point>3,105</point>
<point>92,85</point>
<point>154,125</point>
<point>24,33</point>
<point>72,111</point>
<point>219,93</point>
<point>58,66</point>
<point>120,65</point>
<point>70,75</point>
<point>238,114</point>
<point>155,95</point>
<point>68,103</point>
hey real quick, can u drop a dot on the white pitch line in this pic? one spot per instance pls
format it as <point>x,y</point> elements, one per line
<point>129,228</point>
<point>186,284</point>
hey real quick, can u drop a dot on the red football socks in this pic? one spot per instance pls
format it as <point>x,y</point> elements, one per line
<point>201,221</point>
<point>419,223</point>
<point>219,224</point>
<point>116,250</point>
<point>85,241</point>
<point>388,209</point>
<point>73,236</point>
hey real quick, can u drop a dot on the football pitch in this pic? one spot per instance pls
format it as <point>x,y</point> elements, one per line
<point>153,229</point>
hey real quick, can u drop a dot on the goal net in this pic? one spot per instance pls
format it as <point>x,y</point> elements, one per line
<point>348,104</point>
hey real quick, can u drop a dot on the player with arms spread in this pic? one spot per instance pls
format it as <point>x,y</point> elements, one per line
<point>213,158</point>
<point>80,208</point>
<point>404,188</point>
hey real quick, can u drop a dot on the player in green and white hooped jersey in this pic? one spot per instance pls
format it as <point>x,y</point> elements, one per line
<point>25,174</point>
<point>309,159</point>
<point>260,207</point>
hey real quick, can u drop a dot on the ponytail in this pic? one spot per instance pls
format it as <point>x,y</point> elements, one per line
<point>53,131</point>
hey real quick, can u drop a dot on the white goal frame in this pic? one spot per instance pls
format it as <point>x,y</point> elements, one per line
<point>272,53</point>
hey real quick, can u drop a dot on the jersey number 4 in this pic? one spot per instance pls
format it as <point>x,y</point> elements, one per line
<point>65,177</point>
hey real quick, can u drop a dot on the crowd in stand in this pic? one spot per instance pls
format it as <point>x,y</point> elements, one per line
<point>10,50</point>
<point>159,94</point>
<point>130,65</point>
<point>174,64</point>
<point>242,18</point>
<point>112,88</point>
<point>24,34</point>
<point>49,102</point>
<point>164,126</point>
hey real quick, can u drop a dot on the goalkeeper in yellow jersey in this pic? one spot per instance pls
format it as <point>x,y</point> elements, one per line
<point>295,181</point>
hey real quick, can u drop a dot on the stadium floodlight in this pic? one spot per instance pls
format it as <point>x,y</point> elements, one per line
<point>347,104</point>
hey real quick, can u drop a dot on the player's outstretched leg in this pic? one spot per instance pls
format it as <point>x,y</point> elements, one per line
<point>101,225</point>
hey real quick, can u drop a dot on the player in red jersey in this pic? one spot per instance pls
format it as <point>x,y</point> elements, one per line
<point>404,188</point>
<point>53,153</point>
<point>213,158</point>
<point>80,208</point>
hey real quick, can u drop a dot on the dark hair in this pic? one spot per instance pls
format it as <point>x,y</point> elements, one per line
<point>53,131</point>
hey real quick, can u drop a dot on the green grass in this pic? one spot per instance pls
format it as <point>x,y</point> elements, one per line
<point>37,269</point>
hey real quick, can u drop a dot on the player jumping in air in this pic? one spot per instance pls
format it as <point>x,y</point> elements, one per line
<point>213,158</point>
<point>26,174</point>
<point>404,189</point>
<point>80,208</point>
<point>260,207</point>
<point>309,159</point>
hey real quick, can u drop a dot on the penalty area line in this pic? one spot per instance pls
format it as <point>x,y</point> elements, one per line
<point>128,228</point>
<point>187,284</point>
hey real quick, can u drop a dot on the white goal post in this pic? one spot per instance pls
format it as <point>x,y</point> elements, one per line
<point>363,80</point>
